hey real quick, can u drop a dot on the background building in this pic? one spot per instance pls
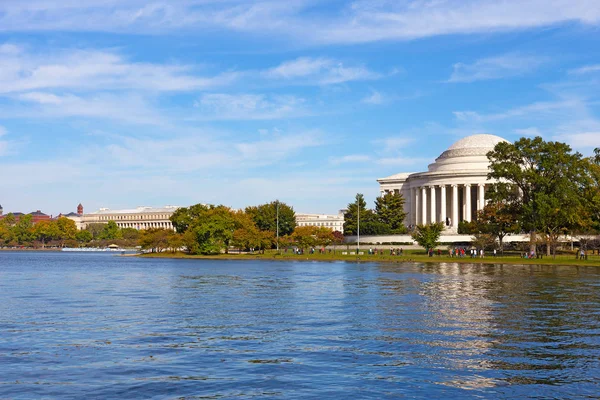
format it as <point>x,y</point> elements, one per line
<point>331,221</point>
<point>136,218</point>
<point>452,189</point>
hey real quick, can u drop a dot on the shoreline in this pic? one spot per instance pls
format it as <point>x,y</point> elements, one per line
<point>412,258</point>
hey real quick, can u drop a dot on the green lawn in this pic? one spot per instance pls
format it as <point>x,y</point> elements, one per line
<point>409,256</point>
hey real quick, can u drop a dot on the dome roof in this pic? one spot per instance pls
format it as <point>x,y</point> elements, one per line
<point>472,145</point>
<point>468,153</point>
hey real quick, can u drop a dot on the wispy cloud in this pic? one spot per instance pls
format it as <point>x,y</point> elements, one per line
<point>503,66</point>
<point>124,107</point>
<point>585,69</point>
<point>393,143</point>
<point>324,71</point>
<point>244,106</point>
<point>360,21</point>
<point>80,70</point>
<point>374,98</point>
<point>533,110</point>
<point>351,158</point>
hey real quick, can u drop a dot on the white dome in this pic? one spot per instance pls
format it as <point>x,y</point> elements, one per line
<point>468,153</point>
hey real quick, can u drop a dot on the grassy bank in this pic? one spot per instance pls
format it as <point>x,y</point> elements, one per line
<point>409,256</point>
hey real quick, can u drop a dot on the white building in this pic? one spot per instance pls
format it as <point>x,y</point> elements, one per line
<point>136,218</point>
<point>453,187</point>
<point>331,221</point>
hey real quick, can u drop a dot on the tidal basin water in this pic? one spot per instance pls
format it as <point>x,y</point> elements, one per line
<point>76,326</point>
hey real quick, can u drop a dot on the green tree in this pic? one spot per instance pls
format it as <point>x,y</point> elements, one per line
<point>499,218</point>
<point>389,209</point>
<point>83,236</point>
<point>213,230</point>
<point>95,230</point>
<point>23,230</point>
<point>548,178</point>
<point>110,231</point>
<point>428,236</point>
<point>305,236</point>
<point>265,217</point>
<point>130,234</point>
<point>66,230</point>
<point>369,223</point>
<point>183,217</point>
<point>45,231</point>
<point>155,239</point>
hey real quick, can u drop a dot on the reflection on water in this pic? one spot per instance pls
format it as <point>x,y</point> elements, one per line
<point>95,325</point>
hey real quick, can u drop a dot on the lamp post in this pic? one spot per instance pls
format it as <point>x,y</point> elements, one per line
<point>358,224</point>
<point>277,225</point>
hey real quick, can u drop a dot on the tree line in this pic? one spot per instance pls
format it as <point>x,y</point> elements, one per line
<point>214,229</point>
<point>61,232</point>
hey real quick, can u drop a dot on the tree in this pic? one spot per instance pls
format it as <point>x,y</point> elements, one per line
<point>110,231</point>
<point>324,236</point>
<point>66,229</point>
<point>548,178</point>
<point>498,218</point>
<point>338,239</point>
<point>213,230</point>
<point>389,209</point>
<point>265,217</point>
<point>83,236</point>
<point>130,234</point>
<point>427,236</point>
<point>45,231</point>
<point>183,217</point>
<point>23,230</point>
<point>369,224</point>
<point>155,239</point>
<point>305,236</point>
<point>95,230</point>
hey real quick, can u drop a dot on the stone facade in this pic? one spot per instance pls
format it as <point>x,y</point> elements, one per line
<point>335,222</point>
<point>137,218</point>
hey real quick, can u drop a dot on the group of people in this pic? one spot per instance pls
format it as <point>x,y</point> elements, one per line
<point>393,252</point>
<point>461,252</point>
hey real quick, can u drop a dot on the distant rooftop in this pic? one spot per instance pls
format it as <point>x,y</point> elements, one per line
<point>137,210</point>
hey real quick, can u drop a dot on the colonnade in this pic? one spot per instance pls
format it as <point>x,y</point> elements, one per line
<point>425,207</point>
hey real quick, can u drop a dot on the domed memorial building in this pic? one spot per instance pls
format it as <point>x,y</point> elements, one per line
<point>453,187</point>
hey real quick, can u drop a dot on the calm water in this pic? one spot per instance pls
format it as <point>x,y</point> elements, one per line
<point>101,326</point>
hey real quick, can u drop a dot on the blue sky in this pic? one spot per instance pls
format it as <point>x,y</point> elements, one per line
<point>120,103</point>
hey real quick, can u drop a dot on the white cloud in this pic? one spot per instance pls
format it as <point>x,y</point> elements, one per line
<point>80,70</point>
<point>352,158</point>
<point>360,21</point>
<point>585,69</point>
<point>374,98</point>
<point>531,132</point>
<point>323,71</point>
<point>402,161</point>
<point>581,140</point>
<point>533,110</point>
<point>504,66</point>
<point>244,106</point>
<point>393,143</point>
<point>127,107</point>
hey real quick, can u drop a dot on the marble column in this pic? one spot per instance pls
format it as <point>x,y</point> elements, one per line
<point>413,208</point>
<point>480,196</point>
<point>443,204</point>
<point>454,205</point>
<point>417,206</point>
<point>468,203</point>
<point>433,205</point>
<point>424,205</point>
